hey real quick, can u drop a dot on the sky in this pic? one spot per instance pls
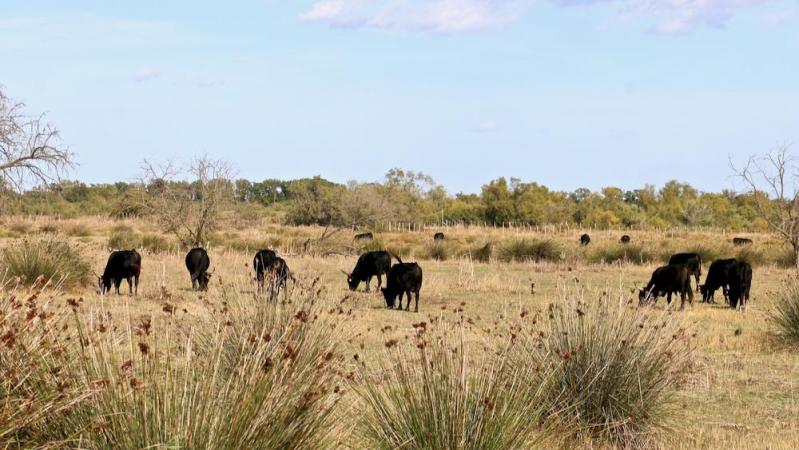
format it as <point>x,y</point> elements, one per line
<point>566,93</point>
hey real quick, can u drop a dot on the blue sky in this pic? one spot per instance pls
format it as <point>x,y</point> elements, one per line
<point>568,93</point>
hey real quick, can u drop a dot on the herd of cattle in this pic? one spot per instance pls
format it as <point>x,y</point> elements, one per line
<point>733,277</point>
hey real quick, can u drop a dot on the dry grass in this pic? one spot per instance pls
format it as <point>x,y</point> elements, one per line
<point>741,392</point>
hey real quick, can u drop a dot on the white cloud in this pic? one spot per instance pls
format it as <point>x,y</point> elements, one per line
<point>148,74</point>
<point>435,16</point>
<point>458,16</point>
<point>677,16</point>
<point>485,127</point>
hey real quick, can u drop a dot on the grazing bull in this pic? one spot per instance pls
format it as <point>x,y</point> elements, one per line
<point>668,280</point>
<point>403,278</point>
<point>438,236</point>
<point>261,263</point>
<point>121,265</point>
<point>585,239</point>
<point>279,274</point>
<point>198,262</point>
<point>625,239</point>
<point>718,276</point>
<point>368,236</point>
<point>369,265</point>
<point>692,261</point>
<point>738,241</point>
<point>740,284</point>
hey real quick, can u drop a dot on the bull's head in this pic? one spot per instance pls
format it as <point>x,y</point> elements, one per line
<point>707,295</point>
<point>645,296</point>
<point>389,298</point>
<point>103,284</point>
<point>351,281</point>
<point>203,279</point>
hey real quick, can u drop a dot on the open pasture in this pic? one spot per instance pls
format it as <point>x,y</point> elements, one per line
<point>741,392</point>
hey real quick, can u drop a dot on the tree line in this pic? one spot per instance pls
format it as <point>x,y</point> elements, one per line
<point>404,196</point>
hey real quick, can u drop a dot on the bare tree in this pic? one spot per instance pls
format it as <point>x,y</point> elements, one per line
<point>30,151</point>
<point>774,182</point>
<point>189,210</point>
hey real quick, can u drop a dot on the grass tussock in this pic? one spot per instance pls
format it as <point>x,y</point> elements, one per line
<point>46,260</point>
<point>433,393</point>
<point>530,250</point>
<point>750,255</point>
<point>785,315</point>
<point>127,240</point>
<point>438,251</point>
<point>614,369</point>
<point>38,391</point>
<point>485,254</point>
<point>618,253</point>
<point>258,377</point>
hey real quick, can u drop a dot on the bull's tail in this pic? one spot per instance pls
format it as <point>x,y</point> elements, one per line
<point>394,256</point>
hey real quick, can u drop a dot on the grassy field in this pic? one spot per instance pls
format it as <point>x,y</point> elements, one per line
<point>741,392</point>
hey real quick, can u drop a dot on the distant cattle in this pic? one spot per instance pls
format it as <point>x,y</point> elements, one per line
<point>438,237</point>
<point>403,278</point>
<point>692,261</point>
<point>370,264</point>
<point>740,285</point>
<point>198,262</point>
<point>261,263</point>
<point>625,239</point>
<point>121,265</point>
<point>368,236</point>
<point>668,280</point>
<point>718,276</point>
<point>741,241</point>
<point>585,239</point>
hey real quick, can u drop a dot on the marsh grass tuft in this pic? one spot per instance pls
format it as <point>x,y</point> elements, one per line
<point>530,250</point>
<point>785,314</point>
<point>48,259</point>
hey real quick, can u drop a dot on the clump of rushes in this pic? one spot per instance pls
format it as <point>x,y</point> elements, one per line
<point>530,250</point>
<point>613,369</point>
<point>49,260</point>
<point>430,393</point>
<point>261,378</point>
<point>785,314</point>
<point>438,251</point>
<point>616,253</point>
<point>38,389</point>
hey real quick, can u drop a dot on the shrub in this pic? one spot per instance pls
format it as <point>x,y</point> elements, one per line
<point>127,240</point>
<point>438,251</point>
<point>785,258</point>
<point>155,243</point>
<point>530,250</point>
<point>78,230</point>
<point>48,228</point>
<point>431,395</point>
<point>46,260</point>
<point>121,240</point>
<point>614,369</point>
<point>38,390</point>
<point>786,314</point>
<point>259,378</point>
<point>484,253</point>
<point>622,253</point>
<point>750,255</point>
<point>20,228</point>
<point>374,245</point>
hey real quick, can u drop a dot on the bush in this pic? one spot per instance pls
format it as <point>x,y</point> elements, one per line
<point>374,245</point>
<point>786,314</point>
<point>751,256</point>
<point>530,250</point>
<point>438,251</point>
<point>20,228</point>
<point>614,370</point>
<point>635,254</point>
<point>485,253</point>
<point>259,378</point>
<point>48,228</point>
<point>46,260</point>
<point>38,391</point>
<point>785,258</point>
<point>431,395</point>
<point>127,240</point>
<point>78,230</point>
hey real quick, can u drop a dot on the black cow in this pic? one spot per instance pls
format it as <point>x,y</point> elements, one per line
<point>198,262</point>
<point>692,261</point>
<point>741,241</point>
<point>740,284</point>
<point>668,280</point>
<point>261,263</point>
<point>625,239</point>
<point>369,265</point>
<point>121,265</point>
<point>585,239</point>
<point>368,236</point>
<point>403,278</point>
<point>438,236</point>
<point>718,276</point>
<point>279,274</point>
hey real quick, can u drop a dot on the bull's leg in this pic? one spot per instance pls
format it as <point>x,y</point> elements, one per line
<point>690,296</point>
<point>682,300</point>
<point>417,301</point>
<point>379,282</point>
<point>136,285</point>
<point>726,293</point>
<point>117,283</point>
<point>408,304</point>
<point>368,280</point>
<point>130,285</point>
<point>668,299</point>
<point>696,276</point>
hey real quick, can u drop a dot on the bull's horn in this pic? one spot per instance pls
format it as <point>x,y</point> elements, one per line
<point>344,272</point>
